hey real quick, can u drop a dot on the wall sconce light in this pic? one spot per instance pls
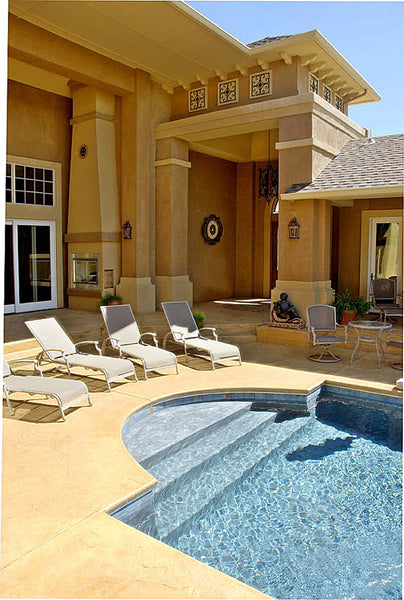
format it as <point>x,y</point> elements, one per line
<point>127,231</point>
<point>268,183</point>
<point>294,229</point>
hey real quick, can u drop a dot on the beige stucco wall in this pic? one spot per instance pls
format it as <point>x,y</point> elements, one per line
<point>38,127</point>
<point>349,257</point>
<point>212,190</point>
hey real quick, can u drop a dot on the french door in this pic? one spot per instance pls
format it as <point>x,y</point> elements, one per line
<point>29,266</point>
<point>385,249</point>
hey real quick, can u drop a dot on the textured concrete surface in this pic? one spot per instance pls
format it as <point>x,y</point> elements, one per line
<point>59,478</point>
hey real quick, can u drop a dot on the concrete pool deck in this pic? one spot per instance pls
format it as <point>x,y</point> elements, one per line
<point>60,478</point>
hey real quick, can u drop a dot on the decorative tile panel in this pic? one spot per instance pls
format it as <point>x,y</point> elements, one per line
<point>327,94</point>
<point>198,99</point>
<point>339,103</point>
<point>313,83</point>
<point>227,92</point>
<point>261,84</point>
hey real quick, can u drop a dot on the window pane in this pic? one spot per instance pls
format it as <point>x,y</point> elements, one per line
<point>8,195</point>
<point>29,198</point>
<point>8,267</point>
<point>34,267</point>
<point>19,184</point>
<point>48,175</point>
<point>8,169</point>
<point>19,197</point>
<point>48,200</point>
<point>39,186</point>
<point>48,187</point>
<point>387,250</point>
<point>29,185</point>
<point>39,198</point>
<point>19,171</point>
<point>38,173</point>
<point>29,172</point>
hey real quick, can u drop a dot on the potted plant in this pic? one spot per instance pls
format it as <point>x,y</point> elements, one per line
<point>345,307</point>
<point>110,300</point>
<point>199,319</point>
<point>362,306</point>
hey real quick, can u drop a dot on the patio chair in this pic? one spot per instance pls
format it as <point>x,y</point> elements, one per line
<point>398,364</point>
<point>124,336</point>
<point>383,295</point>
<point>185,332</point>
<point>58,348</point>
<point>66,392</point>
<point>322,327</point>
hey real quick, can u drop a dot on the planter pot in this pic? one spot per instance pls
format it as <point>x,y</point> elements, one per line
<point>347,315</point>
<point>113,302</point>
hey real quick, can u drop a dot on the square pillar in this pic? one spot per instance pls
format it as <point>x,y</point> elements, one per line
<point>172,278</point>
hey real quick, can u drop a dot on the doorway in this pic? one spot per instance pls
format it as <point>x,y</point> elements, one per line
<point>385,249</point>
<point>30,266</point>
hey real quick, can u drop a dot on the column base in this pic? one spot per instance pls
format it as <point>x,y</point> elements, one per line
<point>139,292</point>
<point>304,293</point>
<point>169,289</point>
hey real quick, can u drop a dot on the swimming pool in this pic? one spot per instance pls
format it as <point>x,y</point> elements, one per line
<point>295,506</point>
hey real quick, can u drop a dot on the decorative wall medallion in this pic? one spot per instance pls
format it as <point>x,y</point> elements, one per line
<point>261,84</point>
<point>83,151</point>
<point>327,93</point>
<point>227,92</point>
<point>339,103</point>
<point>212,230</point>
<point>198,99</point>
<point>313,83</point>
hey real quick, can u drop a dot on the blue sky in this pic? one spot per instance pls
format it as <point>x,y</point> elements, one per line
<point>369,34</point>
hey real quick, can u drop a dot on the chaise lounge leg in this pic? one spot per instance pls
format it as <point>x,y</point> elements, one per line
<point>8,401</point>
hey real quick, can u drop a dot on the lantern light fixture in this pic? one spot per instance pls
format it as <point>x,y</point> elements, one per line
<point>127,231</point>
<point>268,178</point>
<point>294,229</point>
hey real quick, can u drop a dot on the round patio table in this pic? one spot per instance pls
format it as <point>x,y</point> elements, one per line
<point>370,332</point>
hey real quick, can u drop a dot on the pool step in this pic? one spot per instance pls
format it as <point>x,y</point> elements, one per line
<point>204,451</point>
<point>206,419</point>
<point>215,477</point>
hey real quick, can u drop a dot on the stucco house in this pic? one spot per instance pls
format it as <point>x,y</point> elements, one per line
<point>152,154</point>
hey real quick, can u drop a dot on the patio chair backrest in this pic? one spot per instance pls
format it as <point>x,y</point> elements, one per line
<point>121,324</point>
<point>6,368</point>
<point>50,334</point>
<point>321,317</point>
<point>180,320</point>
<point>383,289</point>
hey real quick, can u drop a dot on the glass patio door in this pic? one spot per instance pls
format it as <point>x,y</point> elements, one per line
<point>386,248</point>
<point>30,266</point>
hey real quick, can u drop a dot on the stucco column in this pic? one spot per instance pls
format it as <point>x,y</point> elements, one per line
<point>135,285</point>
<point>245,210</point>
<point>172,278</point>
<point>93,219</point>
<point>304,264</point>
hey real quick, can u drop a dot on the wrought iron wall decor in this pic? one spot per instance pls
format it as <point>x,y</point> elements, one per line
<point>197,99</point>
<point>268,178</point>
<point>212,229</point>
<point>261,84</point>
<point>227,92</point>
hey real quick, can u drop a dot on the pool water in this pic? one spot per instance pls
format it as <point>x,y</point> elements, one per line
<point>295,506</point>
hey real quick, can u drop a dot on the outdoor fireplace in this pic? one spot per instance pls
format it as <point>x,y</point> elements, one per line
<point>85,271</point>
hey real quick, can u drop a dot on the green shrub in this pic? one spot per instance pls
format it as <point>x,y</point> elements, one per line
<point>345,301</point>
<point>108,298</point>
<point>199,319</point>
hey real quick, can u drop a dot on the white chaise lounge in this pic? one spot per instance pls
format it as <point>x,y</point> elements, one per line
<point>65,391</point>
<point>185,332</point>
<point>125,337</point>
<point>58,348</point>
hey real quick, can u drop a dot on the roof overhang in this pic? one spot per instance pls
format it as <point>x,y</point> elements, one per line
<point>179,46</point>
<point>342,196</point>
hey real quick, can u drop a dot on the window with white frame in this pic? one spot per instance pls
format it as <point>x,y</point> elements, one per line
<point>313,83</point>
<point>327,94</point>
<point>30,185</point>
<point>339,103</point>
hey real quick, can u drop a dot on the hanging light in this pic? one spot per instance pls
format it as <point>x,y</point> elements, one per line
<point>268,178</point>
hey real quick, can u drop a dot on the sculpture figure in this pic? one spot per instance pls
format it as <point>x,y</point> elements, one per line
<point>284,311</point>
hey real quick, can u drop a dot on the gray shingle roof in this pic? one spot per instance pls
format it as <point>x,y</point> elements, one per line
<point>267,40</point>
<point>361,164</point>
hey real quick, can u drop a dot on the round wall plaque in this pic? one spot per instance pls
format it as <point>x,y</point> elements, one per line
<point>212,229</point>
<point>83,151</point>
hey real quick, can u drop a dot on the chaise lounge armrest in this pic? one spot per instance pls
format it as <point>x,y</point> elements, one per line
<point>154,336</point>
<point>212,329</point>
<point>89,342</point>
<point>37,368</point>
